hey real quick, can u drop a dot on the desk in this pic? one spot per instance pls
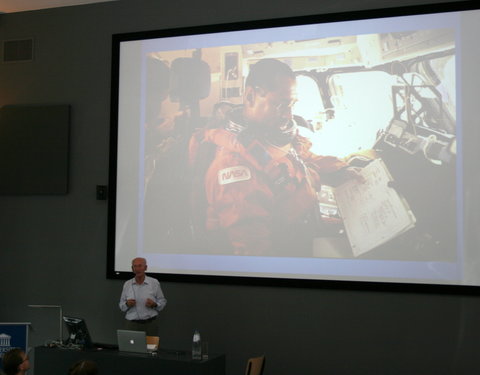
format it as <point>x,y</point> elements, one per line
<point>53,361</point>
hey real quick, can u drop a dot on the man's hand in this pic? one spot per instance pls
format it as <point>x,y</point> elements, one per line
<point>150,303</point>
<point>131,302</point>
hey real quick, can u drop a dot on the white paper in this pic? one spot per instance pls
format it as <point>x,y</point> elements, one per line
<point>372,212</point>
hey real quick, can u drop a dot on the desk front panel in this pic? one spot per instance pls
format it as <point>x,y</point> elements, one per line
<point>52,361</point>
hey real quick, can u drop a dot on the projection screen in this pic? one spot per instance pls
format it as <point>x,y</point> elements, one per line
<point>372,176</point>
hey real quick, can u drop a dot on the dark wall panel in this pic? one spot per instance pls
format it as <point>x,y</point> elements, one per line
<point>34,144</point>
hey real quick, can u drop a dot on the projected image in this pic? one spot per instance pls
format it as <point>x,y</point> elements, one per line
<point>339,148</point>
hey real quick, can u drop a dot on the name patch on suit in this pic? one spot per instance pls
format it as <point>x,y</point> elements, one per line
<point>234,174</point>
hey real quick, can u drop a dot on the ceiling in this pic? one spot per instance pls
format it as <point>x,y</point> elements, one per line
<point>12,6</point>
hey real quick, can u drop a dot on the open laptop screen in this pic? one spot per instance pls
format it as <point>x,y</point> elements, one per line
<point>132,341</point>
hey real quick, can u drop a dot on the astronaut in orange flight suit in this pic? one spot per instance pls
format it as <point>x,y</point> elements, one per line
<point>260,188</point>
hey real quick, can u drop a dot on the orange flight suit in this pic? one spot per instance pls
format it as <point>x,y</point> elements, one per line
<point>260,197</point>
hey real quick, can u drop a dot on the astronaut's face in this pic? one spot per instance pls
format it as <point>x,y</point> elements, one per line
<point>273,109</point>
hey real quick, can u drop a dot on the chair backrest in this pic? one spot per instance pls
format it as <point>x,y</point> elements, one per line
<point>255,365</point>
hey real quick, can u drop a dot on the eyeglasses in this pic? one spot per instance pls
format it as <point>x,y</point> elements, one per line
<point>281,107</point>
<point>285,107</point>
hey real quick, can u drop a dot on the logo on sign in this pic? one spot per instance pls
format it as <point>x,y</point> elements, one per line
<point>4,343</point>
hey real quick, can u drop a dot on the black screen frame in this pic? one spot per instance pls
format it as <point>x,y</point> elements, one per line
<point>261,24</point>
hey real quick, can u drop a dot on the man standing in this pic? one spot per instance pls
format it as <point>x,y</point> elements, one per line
<point>260,185</point>
<point>15,362</point>
<point>142,299</point>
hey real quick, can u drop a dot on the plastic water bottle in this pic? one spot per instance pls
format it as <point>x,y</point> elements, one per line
<point>196,346</point>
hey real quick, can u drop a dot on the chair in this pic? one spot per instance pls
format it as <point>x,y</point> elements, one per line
<point>255,365</point>
<point>153,340</point>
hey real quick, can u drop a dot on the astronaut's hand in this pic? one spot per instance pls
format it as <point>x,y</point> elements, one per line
<point>345,174</point>
<point>355,174</point>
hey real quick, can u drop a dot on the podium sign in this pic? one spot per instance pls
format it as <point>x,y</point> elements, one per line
<point>13,335</point>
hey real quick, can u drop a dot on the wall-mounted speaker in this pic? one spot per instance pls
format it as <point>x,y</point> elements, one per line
<point>20,50</point>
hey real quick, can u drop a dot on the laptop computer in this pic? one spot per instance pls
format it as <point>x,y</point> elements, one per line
<point>132,341</point>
